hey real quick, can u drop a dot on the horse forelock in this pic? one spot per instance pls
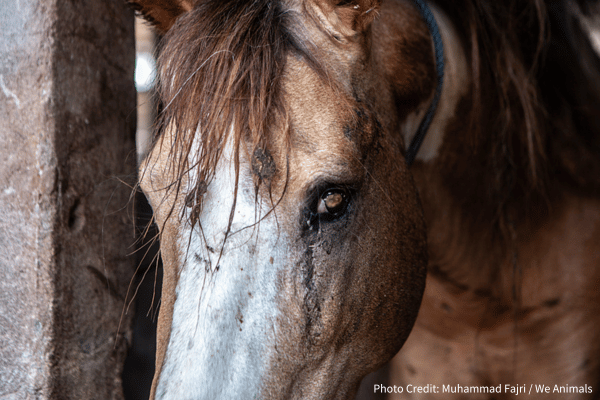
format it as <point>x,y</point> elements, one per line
<point>220,69</point>
<point>220,74</point>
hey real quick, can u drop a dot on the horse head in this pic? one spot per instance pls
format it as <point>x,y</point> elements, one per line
<point>292,237</point>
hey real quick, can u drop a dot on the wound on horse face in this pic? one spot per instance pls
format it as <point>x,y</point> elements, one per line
<point>263,165</point>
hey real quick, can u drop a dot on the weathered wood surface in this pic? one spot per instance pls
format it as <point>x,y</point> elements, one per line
<point>67,120</point>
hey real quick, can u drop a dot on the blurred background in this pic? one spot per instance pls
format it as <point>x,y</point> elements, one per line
<point>146,284</point>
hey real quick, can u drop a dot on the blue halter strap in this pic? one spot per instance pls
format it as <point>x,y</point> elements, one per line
<point>438,46</point>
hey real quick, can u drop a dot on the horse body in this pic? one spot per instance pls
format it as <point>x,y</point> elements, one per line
<point>511,295</point>
<point>469,322</point>
<point>291,232</point>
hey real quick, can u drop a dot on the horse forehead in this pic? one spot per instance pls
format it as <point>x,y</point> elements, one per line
<point>320,113</point>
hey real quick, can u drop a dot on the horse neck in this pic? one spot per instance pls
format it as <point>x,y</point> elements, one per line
<point>471,235</point>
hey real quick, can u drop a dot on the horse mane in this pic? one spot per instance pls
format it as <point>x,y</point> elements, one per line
<point>573,102</point>
<point>512,133</point>
<point>506,135</point>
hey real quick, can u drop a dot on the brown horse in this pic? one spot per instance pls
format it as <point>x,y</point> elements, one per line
<point>292,235</point>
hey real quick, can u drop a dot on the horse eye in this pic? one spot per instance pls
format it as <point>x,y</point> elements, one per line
<point>333,203</point>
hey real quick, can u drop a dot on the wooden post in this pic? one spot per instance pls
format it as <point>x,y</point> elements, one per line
<point>67,128</point>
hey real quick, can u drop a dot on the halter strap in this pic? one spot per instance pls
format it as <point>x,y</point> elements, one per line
<point>417,140</point>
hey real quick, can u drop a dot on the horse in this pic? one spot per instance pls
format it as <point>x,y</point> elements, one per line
<point>330,175</point>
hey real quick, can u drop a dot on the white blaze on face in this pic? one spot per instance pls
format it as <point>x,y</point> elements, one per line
<point>223,319</point>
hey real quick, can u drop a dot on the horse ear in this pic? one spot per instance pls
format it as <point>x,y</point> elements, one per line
<point>348,17</point>
<point>161,13</point>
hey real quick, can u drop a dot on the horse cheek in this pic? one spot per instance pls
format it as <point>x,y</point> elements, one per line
<point>393,270</point>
